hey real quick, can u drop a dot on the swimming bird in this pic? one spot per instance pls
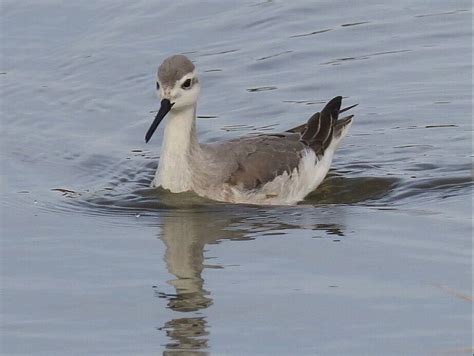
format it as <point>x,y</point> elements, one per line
<point>268,169</point>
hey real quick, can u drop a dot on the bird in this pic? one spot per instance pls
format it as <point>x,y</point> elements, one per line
<point>267,169</point>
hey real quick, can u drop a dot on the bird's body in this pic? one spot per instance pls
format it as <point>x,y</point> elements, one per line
<point>266,169</point>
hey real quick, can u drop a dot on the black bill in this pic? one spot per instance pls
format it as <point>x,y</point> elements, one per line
<point>166,106</point>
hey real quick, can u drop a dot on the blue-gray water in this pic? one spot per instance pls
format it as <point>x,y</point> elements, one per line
<point>376,262</point>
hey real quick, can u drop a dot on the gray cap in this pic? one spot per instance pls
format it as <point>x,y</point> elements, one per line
<point>174,68</point>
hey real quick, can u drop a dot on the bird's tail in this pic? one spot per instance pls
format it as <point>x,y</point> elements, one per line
<point>324,126</point>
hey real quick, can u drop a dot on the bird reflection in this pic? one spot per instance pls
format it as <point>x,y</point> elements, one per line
<point>186,234</point>
<point>187,335</point>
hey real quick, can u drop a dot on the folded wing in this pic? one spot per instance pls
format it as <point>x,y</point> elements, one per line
<point>259,159</point>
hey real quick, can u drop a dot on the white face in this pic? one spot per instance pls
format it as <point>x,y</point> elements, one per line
<point>183,94</point>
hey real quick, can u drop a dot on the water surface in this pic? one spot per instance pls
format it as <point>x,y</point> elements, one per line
<point>377,261</point>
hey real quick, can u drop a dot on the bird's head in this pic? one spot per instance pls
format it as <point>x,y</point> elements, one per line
<point>178,87</point>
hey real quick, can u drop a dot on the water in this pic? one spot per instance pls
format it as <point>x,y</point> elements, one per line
<point>375,262</point>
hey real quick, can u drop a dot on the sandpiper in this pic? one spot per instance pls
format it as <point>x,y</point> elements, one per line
<point>275,168</point>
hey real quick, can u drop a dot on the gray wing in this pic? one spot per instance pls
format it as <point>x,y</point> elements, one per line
<point>262,158</point>
<point>253,161</point>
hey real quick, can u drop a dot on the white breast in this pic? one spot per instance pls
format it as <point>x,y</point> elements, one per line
<point>175,171</point>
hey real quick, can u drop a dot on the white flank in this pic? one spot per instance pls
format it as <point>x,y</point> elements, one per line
<point>288,189</point>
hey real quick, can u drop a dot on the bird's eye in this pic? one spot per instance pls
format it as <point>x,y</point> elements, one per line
<point>186,84</point>
<point>157,86</point>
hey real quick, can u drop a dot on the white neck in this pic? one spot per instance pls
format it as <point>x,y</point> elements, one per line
<point>180,140</point>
